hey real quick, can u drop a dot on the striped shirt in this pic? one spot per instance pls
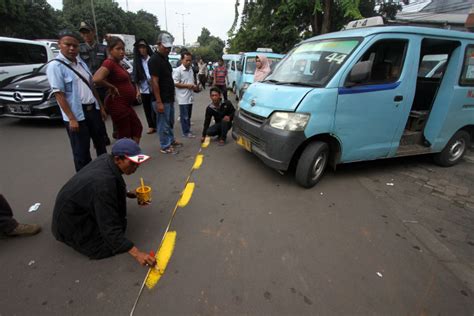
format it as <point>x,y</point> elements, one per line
<point>220,75</point>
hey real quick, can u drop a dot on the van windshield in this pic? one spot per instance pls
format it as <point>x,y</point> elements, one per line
<point>313,63</point>
<point>252,64</point>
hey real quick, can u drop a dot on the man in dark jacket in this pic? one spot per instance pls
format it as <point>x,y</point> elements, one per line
<point>90,214</point>
<point>223,114</point>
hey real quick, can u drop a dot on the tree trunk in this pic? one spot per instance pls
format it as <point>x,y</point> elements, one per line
<point>325,28</point>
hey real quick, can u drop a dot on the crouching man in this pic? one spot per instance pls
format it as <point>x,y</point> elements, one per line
<point>90,214</point>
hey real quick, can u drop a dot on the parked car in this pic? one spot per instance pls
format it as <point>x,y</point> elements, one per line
<point>360,95</point>
<point>52,43</point>
<point>174,60</point>
<point>246,69</point>
<point>19,56</point>
<point>29,96</point>
<point>231,61</point>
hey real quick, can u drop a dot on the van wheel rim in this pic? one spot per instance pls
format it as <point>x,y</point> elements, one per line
<point>457,149</point>
<point>318,166</point>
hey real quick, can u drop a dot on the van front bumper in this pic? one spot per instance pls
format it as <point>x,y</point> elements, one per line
<point>273,146</point>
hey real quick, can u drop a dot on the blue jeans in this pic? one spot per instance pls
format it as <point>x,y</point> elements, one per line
<point>185,118</point>
<point>165,124</point>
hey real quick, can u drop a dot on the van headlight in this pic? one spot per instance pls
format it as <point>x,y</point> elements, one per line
<point>289,121</point>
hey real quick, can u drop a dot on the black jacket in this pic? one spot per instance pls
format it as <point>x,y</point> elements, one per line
<point>225,109</point>
<point>90,213</point>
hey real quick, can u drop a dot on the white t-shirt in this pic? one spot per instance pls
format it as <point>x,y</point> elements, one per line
<point>185,76</point>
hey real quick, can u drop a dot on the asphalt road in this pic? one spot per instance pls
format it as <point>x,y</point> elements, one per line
<point>250,241</point>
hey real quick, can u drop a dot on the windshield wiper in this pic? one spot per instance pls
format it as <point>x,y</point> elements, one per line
<point>271,80</point>
<point>301,84</point>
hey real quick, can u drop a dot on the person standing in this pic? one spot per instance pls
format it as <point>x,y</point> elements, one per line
<point>9,227</point>
<point>220,77</point>
<point>202,73</point>
<point>162,85</point>
<point>93,54</point>
<point>141,77</point>
<point>122,95</point>
<point>262,69</point>
<point>184,82</point>
<point>90,212</point>
<point>223,114</point>
<point>83,114</point>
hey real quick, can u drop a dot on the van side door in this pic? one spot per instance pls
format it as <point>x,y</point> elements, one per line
<point>372,107</point>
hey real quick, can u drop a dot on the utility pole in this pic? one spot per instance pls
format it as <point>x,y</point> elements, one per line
<point>95,22</point>
<point>182,24</point>
<point>166,18</point>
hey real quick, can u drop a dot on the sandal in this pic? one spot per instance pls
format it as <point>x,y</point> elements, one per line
<point>151,131</point>
<point>176,144</point>
<point>169,150</point>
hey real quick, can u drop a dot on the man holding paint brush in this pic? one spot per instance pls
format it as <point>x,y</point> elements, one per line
<point>90,214</point>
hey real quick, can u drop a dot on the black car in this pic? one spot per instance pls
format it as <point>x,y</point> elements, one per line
<point>29,96</point>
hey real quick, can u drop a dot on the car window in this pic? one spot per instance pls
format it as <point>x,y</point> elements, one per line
<point>432,65</point>
<point>22,54</point>
<point>251,64</point>
<point>467,74</point>
<point>232,65</point>
<point>386,58</point>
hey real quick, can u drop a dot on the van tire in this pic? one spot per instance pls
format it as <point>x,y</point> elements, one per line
<point>454,150</point>
<point>311,164</point>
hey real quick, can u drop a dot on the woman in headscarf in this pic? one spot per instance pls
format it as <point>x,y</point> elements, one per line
<point>141,77</point>
<point>262,69</point>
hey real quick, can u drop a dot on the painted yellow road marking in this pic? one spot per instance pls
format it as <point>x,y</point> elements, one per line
<point>162,258</point>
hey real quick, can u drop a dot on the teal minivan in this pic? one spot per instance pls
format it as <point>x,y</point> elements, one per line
<point>246,69</point>
<point>360,94</point>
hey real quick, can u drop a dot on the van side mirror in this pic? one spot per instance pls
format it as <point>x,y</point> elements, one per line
<point>360,72</point>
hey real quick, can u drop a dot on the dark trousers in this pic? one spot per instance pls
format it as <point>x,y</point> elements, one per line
<point>224,91</point>
<point>220,129</point>
<point>149,113</point>
<point>102,93</point>
<point>202,80</point>
<point>7,222</point>
<point>89,128</point>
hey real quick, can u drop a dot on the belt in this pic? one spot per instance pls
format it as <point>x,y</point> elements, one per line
<point>88,107</point>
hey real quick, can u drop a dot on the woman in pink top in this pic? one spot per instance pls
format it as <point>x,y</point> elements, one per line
<point>263,68</point>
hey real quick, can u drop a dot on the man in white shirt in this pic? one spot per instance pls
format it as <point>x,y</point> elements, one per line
<point>183,77</point>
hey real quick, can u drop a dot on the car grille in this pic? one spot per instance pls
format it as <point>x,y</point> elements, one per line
<point>21,96</point>
<point>252,117</point>
<point>256,142</point>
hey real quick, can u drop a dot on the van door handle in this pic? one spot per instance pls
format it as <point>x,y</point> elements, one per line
<point>398,98</point>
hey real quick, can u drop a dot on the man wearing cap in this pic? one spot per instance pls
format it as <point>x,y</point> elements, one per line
<point>93,54</point>
<point>90,214</point>
<point>162,84</point>
<point>82,113</point>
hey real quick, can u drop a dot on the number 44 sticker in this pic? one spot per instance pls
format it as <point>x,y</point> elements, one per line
<point>336,58</point>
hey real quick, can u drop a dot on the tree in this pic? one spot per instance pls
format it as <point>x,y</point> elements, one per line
<point>210,47</point>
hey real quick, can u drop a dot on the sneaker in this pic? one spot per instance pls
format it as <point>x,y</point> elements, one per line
<point>176,144</point>
<point>189,135</point>
<point>25,230</point>
<point>170,150</point>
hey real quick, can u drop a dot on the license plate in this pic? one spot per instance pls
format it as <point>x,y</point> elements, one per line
<point>19,108</point>
<point>244,143</point>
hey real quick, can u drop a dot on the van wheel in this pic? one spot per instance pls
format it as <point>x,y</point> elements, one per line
<point>312,164</point>
<point>454,150</point>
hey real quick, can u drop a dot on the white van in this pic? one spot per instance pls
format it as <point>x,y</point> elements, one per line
<point>231,61</point>
<point>18,56</point>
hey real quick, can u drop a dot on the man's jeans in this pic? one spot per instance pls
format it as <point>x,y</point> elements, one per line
<point>220,129</point>
<point>89,128</point>
<point>7,222</point>
<point>185,118</point>
<point>165,124</point>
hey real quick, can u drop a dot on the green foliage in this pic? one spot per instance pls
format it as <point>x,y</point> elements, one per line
<point>37,19</point>
<point>389,8</point>
<point>210,48</point>
<point>280,24</point>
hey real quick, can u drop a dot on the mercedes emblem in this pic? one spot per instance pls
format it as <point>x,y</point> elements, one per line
<point>17,96</point>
